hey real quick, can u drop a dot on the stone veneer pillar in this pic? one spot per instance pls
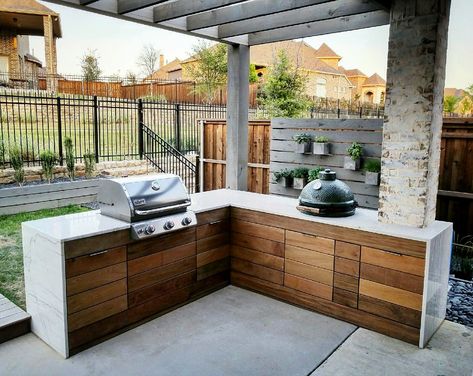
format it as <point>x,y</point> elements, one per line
<point>413,116</point>
<point>50,53</point>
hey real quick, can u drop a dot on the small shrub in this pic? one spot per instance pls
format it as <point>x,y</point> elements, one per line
<point>2,154</point>
<point>155,98</point>
<point>89,162</point>
<point>16,160</point>
<point>314,173</point>
<point>300,172</point>
<point>302,138</point>
<point>70,160</point>
<point>48,161</point>
<point>355,151</point>
<point>321,139</point>
<point>372,165</point>
<point>278,175</point>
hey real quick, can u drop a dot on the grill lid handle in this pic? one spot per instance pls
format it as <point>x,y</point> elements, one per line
<point>161,210</point>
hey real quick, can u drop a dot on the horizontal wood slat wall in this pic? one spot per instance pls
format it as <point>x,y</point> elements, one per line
<point>213,155</point>
<point>341,133</point>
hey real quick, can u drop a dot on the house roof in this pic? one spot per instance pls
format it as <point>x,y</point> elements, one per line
<point>374,80</point>
<point>324,51</point>
<point>354,72</point>
<point>454,92</point>
<point>162,72</point>
<point>26,6</point>
<point>33,59</point>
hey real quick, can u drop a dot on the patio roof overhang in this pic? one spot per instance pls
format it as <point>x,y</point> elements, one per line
<point>245,22</point>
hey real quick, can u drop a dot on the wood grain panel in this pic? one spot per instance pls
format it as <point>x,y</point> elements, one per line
<point>213,216</point>
<point>310,272</point>
<point>310,287</point>
<point>345,282</point>
<point>215,254</point>
<point>160,243</point>
<point>162,288</point>
<point>213,268</point>
<point>391,311</point>
<point>160,274</point>
<point>347,250</point>
<point>346,266</point>
<point>255,229</point>
<point>258,244</point>
<point>406,264</point>
<point>81,247</point>
<point>391,294</point>
<point>210,284</point>
<point>394,278</point>
<point>212,228</point>
<point>213,242</point>
<point>260,258</point>
<point>157,259</point>
<point>98,312</point>
<point>258,271</point>
<point>315,243</point>
<point>96,278</point>
<point>346,298</point>
<point>310,227</point>
<point>94,261</point>
<point>95,296</point>
<point>310,257</point>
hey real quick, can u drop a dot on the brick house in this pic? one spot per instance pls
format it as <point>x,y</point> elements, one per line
<point>18,20</point>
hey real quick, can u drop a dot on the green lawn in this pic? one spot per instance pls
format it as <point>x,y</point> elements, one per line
<point>11,252</point>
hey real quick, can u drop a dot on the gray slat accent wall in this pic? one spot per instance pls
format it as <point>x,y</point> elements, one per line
<point>341,133</point>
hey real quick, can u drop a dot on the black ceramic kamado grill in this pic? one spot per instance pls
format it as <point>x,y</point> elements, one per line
<point>327,197</point>
<point>153,204</point>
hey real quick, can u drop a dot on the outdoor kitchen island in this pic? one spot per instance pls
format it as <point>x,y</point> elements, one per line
<point>87,280</point>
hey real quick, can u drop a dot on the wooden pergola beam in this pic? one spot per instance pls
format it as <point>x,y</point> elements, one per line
<point>309,14</point>
<point>127,6</point>
<point>336,25</point>
<point>245,11</point>
<point>180,8</point>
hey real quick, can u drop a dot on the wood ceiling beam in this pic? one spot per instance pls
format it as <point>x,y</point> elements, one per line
<point>309,14</point>
<point>127,6</point>
<point>245,11</point>
<point>181,8</point>
<point>336,25</point>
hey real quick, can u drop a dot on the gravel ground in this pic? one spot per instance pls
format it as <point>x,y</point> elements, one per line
<point>460,302</point>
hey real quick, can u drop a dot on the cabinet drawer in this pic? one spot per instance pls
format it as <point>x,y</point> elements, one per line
<point>99,277</point>
<point>309,287</point>
<point>260,258</point>
<point>94,261</point>
<point>311,257</point>
<point>346,266</point>
<point>395,261</point>
<point>310,272</point>
<point>212,228</point>
<point>347,250</point>
<point>346,298</point>
<point>315,243</point>
<point>212,242</point>
<point>261,231</point>
<point>213,216</point>
<point>95,313</point>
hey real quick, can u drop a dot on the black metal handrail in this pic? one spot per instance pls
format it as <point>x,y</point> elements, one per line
<point>166,158</point>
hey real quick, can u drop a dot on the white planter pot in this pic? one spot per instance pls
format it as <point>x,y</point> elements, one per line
<point>300,183</point>
<point>304,148</point>
<point>321,148</point>
<point>350,164</point>
<point>286,182</point>
<point>372,178</point>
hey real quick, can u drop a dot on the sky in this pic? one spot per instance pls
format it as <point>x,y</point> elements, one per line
<point>118,44</point>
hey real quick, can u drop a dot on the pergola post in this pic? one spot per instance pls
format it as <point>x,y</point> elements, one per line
<point>50,53</point>
<point>237,117</point>
<point>413,116</point>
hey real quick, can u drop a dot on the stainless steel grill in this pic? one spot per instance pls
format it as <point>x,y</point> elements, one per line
<point>154,204</point>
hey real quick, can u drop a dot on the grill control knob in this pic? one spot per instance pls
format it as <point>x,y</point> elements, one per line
<point>150,229</point>
<point>168,225</point>
<point>186,221</point>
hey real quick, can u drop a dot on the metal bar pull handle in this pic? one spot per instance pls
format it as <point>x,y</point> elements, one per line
<point>161,210</point>
<point>98,253</point>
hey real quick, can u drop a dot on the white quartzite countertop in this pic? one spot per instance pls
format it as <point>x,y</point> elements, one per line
<point>80,225</point>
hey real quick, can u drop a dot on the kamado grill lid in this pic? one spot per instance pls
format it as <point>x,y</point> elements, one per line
<point>327,196</point>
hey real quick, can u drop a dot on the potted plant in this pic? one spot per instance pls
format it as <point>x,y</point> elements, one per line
<point>314,173</point>
<point>372,168</point>
<point>300,175</point>
<point>284,177</point>
<point>352,161</point>
<point>321,146</point>
<point>303,143</point>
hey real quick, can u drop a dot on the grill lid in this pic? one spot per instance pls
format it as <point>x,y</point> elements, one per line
<point>328,196</point>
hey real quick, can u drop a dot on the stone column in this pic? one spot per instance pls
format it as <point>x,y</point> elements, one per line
<point>413,116</point>
<point>50,53</point>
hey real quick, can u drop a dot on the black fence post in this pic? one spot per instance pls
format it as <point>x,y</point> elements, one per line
<point>96,129</point>
<point>59,131</point>
<point>140,128</point>
<point>177,130</point>
<point>338,108</point>
<point>361,111</point>
<point>197,174</point>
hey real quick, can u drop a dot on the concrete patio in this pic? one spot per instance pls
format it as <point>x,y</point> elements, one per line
<point>237,332</point>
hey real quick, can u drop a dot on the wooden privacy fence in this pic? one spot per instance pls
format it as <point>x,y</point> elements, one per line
<point>213,155</point>
<point>341,134</point>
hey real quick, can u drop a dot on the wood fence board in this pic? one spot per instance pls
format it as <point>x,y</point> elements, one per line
<point>313,124</point>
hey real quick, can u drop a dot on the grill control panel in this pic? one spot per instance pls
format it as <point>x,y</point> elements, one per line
<point>161,225</point>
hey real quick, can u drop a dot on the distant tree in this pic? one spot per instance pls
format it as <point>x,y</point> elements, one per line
<point>148,59</point>
<point>131,78</point>
<point>465,106</point>
<point>283,92</point>
<point>90,66</point>
<point>449,103</point>
<point>253,77</point>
